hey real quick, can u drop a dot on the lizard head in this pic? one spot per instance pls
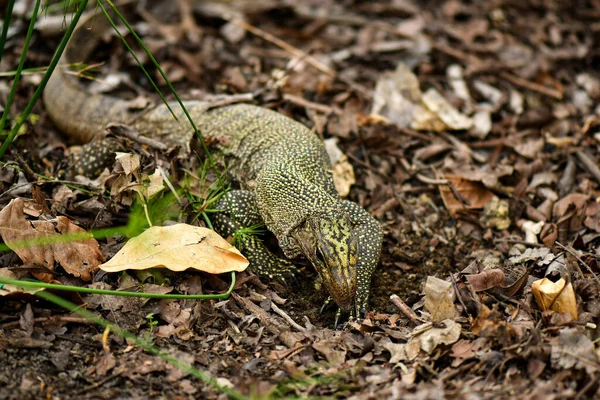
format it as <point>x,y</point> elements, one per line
<point>330,244</point>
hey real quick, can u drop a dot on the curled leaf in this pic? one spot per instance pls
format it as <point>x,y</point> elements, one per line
<point>557,296</point>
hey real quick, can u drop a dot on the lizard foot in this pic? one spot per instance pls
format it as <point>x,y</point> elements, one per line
<point>358,312</point>
<point>268,265</point>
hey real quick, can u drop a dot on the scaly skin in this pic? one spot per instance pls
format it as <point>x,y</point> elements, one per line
<point>282,169</point>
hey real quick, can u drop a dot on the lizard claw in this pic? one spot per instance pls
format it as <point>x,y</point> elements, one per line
<point>325,304</point>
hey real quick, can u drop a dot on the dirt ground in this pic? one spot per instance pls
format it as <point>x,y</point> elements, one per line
<point>473,130</point>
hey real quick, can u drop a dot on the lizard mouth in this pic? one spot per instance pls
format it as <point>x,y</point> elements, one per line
<point>340,282</point>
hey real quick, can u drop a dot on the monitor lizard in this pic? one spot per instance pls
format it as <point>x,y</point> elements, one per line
<point>281,167</point>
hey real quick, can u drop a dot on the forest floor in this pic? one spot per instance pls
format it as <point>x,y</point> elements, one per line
<point>473,132</point>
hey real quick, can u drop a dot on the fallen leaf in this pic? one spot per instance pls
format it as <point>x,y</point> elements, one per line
<point>401,351</point>
<point>178,247</point>
<point>487,279</point>
<point>79,258</point>
<point>557,296</point>
<point>577,200</point>
<point>14,290</point>
<point>464,350</point>
<point>448,333</point>
<point>451,117</point>
<point>530,148</point>
<point>473,195</point>
<point>574,351</point>
<point>152,184</point>
<point>397,96</point>
<point>129,162</point>
<point>490,323</point>
<point>439,299</point>
<point>332,350</point>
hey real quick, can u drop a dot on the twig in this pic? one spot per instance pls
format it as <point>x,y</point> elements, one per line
<point>296,52</point>
<point>285,316</point>
<point>431,181</point>
<point>589,164</point>
<point>99,383</point>
<point>405,309</point>
<point>271,324</point>
<point>572,252</point>
<point>76,320</point>
<point>308,104</point>
<point>126,131</point>
<point>457,292</point>
<point>532,86</point>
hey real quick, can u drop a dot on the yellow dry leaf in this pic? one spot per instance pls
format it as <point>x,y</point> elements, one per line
<point>178,247</point>
<point>555,296</point>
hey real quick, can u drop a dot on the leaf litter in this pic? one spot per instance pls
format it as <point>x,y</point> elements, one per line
<point>471,129</point>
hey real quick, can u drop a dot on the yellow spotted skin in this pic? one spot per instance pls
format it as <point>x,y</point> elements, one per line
<point>282,170</point>
<point>93,158</point>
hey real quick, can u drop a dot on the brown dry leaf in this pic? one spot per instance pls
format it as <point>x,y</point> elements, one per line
<point>178,247</point>
<point>592,220</point>
<point>439,299</point>
<point>465,349</point>
<point>401,351</point>
<point>530,148</point>
<point>79,258</point>
<point>574,351</point>
<point>578,200</point>
<point>473,195</point>
<point>332,350</point>
<point>106,362</point>
<point>129,162</point>
<point>490,323</point>
<point>448,333</point>
<point>558,296</point>
<point>487,279</point>
<point>397,96</point>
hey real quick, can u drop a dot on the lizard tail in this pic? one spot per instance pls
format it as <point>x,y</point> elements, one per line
<point>75,111</point>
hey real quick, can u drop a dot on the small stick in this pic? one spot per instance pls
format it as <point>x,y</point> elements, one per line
<point>50,320</point>
<point>298,53</point>
<point>571,251</point>
<point>589,164</point>
<point>125,131</point>
<point>532,86</point>
<point>405,309</point>
<point>308,104</point>
<point>288,319</point>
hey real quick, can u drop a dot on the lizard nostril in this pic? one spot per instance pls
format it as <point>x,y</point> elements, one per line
<point>319,256</point>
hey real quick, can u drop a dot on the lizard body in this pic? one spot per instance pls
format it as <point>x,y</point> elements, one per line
<point>282,169</point>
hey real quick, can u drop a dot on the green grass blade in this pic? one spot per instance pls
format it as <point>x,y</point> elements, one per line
<point>66,288</point>
<point>4,34</point>
<point>15,84</point>
<point>185,111</point>
<point>38,92</point>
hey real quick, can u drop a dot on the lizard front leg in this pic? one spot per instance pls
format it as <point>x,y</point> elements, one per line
<point>239,212</point>
<point>370,237</point>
